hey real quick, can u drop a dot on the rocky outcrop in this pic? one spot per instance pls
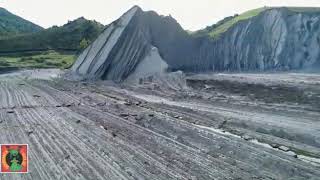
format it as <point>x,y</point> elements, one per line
<point>140,43</point>
<point>137,37</point>
<point>158,42</point>
<point>277,39</point>
<point>104,57</point>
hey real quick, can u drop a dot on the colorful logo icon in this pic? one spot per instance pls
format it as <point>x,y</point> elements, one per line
<point>14,158</point>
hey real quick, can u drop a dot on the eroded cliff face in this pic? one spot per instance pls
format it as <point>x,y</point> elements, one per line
<point>112,54</point>
<point>137,37</point>
<point>276,39</point>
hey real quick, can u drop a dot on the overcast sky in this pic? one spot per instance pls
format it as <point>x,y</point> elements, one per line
<point>191,14</point>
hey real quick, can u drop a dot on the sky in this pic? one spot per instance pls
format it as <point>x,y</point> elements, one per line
<point>191,14</point>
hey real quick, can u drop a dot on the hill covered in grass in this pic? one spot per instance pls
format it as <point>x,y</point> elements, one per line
<point>12,25</point>
<point>74,36</point>
<point>223,27</point>
<point>214,31</point>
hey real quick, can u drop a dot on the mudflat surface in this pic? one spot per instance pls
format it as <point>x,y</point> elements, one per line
<point>205,130</point>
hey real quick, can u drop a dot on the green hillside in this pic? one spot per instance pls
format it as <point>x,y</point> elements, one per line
<point>66,37</point>
<point>11,25</point>
<point>226,25</point>
<point>54,47</point>
<point>222,26</point>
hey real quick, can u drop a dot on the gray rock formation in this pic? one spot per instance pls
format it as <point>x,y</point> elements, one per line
<point>140,43</point>
<point>277,39</point>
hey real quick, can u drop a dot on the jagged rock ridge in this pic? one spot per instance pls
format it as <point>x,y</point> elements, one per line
<point>277,38</point>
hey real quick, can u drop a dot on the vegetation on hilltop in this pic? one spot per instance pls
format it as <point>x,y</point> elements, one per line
<point>226,25</point>
<point>66,37</point>
<point>12,25</point>
<point>222,26</point>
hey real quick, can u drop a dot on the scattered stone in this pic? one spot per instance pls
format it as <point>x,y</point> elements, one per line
<point>176,116</point>
<point>69,105</point>
<point>36,96</point>
<point>114,134</point>
<point>104,127</point>
<point>29,132</point>
<point>58,105</point>
<point>284,148</point>
<point>247,137</point>
<point>222,124</point>
<point>124,115</point>
<point>293,154</point>
<point>78,121</point>
<point>274,145</point>
<point>21,84</point>
<point>151,115</point>
<point>67,157</point>
<point>206,87</point>
<point>128,103</point>
<point>137,103</point>
<point>102,104</point>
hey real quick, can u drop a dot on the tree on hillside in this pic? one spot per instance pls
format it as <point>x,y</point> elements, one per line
<point>84,43</point>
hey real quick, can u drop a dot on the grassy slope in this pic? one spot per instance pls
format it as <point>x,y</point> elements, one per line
<point>225,26</point>
<point>47,59</point>
<point>11,25</point>
<point>67,36</point>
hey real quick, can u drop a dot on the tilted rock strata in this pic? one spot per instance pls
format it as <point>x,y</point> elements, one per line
<point>276,39</point>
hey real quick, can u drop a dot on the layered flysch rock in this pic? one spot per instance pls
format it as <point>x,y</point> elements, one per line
<point>113,53</point>
<point>138,44</point>
<point>277,39</point>
<point>142,43</point>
